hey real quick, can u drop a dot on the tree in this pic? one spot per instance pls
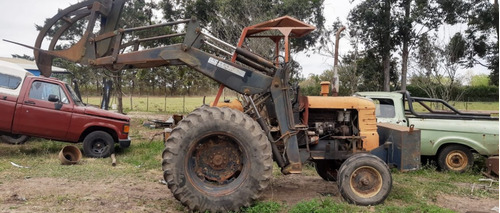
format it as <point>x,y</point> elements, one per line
<point>416,17</point>
<point>226,19</point>
<point>481,36</point>
<point>385,25</point>
<point>480,80</point>
<point>24,56</point>
<point>437,67</point>
<point>372,21</point>
<point>135,13</point>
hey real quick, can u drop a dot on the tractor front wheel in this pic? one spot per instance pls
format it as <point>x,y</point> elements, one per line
<point>364,180</point>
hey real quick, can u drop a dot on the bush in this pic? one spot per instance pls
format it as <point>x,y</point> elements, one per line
<point>481,93</point>
<point>470,93</point>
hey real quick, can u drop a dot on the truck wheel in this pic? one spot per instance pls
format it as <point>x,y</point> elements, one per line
<point>98,144</point>
<point>364,180</point>
<point>217,159</point>
<point>328,169</point>
<point>14,139</point>
<point>455,158</point>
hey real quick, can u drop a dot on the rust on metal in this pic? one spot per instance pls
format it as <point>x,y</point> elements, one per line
<point>366,181</point>
<point>70,155</point>
<point>288,27</point>
<point>107,11</point>
<point>404,141</point>
<point>217,159</point>
<point>457,160</point>
<point>492,165</point>
<point>324,88</point>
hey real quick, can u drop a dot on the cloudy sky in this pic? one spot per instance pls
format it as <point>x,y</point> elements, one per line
<point>18,19</point>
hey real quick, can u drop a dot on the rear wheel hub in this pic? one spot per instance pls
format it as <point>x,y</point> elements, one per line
<point>217,159</point>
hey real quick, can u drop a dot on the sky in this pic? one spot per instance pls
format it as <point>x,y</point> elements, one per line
<point>18,19</point>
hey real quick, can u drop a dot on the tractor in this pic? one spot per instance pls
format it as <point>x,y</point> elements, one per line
<point>221,158</point>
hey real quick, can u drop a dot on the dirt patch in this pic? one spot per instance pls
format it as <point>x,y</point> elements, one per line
<point>62,195</point>
<point>150,195</point>
<point>467,204</point>
<point>292,189</point>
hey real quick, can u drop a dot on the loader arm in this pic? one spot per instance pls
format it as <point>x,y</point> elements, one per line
<point>106,48</point>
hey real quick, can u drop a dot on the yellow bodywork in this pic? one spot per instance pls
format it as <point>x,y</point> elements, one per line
<point>234,104</point>
<point>366,115</point>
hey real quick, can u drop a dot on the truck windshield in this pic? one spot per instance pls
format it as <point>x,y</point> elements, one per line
<point>73,95</point>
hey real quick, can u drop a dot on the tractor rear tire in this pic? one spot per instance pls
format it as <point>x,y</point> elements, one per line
<point>217,160</point>
<point>14,139</point>
<point>364,179</point>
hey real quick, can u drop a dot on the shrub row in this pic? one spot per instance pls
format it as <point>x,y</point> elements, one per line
<point>465,93</point>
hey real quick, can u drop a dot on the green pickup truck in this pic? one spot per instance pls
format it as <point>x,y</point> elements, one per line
<point>447,134</point>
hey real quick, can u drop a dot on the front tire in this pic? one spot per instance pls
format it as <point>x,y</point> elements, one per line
<point>98,144</point>
<point>217,159</point>
<point>364,179</point>
<point>14,139</point>
<point>456,158</point>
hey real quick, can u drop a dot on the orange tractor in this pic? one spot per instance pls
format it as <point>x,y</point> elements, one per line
<point>220,158</point>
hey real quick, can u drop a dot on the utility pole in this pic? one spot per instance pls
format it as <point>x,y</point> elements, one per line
<point>335,81</point>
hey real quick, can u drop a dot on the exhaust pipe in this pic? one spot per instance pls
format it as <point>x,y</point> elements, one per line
<point>70,155</point>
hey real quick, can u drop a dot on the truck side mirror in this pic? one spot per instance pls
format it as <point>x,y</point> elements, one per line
<point>53,98</point>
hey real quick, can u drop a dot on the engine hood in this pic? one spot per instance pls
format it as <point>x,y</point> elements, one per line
<point>105,114</point>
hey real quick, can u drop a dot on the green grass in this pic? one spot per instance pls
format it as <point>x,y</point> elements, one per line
<point>462,106</point>
<point>324,205</point>
<point>264,207</point>
<point>184,105</point>
<point>489,106</point>
<point>145,155</point>
<point>415,191</point>
<point>171,105</point>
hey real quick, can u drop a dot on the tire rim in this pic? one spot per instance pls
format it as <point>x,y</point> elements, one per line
<point>216,164</point>
<point>99,146</point>
<point>366,181</point>
<point>456,160</point>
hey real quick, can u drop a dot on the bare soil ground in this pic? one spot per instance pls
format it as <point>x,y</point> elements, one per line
<point>149,194</point>
<point>467,204</point>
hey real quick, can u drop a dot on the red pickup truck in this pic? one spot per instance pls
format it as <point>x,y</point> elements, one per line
<point>49,108</point>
